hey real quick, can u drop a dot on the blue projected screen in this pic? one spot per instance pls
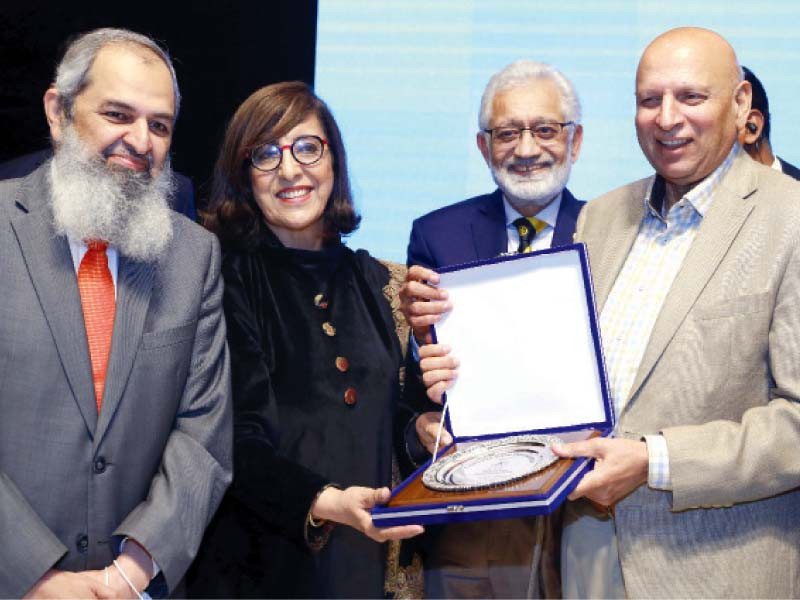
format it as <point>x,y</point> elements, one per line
<point>404,80</point>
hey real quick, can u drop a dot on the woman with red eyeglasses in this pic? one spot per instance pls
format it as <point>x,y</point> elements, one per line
<point>315,362</point>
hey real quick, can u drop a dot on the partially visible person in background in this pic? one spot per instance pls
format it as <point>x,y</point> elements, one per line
<point>316,363</point>
<point>755,136</point>
<point>180,200</point>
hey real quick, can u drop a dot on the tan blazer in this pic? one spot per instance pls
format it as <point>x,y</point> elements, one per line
<point>720,378</point>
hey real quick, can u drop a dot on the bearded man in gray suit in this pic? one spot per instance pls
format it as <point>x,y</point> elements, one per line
<point>115,445</point>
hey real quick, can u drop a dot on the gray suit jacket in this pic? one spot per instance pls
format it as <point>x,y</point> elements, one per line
<point>153,465</point>
<point>721,379</point>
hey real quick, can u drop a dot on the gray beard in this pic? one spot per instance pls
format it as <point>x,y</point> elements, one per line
<point>92,201</point>
<point>535,191</point>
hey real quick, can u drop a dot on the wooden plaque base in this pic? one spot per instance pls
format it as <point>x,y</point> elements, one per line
<point>415,493</point>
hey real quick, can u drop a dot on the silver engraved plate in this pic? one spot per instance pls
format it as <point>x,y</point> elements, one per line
<point>491,463</point>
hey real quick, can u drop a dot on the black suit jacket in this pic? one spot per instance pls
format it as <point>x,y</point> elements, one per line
<point>182,201</point>
<point>295,429</point>
<point>789,169</point>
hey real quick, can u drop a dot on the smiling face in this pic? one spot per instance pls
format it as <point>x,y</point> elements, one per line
<point>690,104</point>
<point>126,112</point>
<point>531,172</point>
<point>293,197</point>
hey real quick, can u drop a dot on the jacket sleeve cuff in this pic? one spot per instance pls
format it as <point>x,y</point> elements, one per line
<point>317,533</point>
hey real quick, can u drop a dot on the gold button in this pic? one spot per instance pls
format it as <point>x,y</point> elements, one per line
<point>320,302</point>
<point>350,396</point>
<point>329,329</point>
<point>342,364</point>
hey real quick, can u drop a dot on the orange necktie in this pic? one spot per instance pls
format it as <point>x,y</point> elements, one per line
<point>97,299</point>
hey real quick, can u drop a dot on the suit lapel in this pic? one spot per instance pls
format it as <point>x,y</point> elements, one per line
<point>717,232</point>
<point>564,230</point>
<point>489,235</point>
<point>49,262</point>
<point>134,288</point>
<point>616,241</point>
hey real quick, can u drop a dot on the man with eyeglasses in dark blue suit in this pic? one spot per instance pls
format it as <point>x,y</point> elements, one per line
<point>530,135</point>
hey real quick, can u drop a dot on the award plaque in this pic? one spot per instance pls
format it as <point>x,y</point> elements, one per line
<point>491,463</point>
<point>531,374</point>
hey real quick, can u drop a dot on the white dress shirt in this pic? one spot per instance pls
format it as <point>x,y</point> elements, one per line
<point>78,249</point>
<point>543,239</point>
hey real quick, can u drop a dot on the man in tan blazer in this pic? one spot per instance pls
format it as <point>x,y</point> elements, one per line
<point>697,278</point>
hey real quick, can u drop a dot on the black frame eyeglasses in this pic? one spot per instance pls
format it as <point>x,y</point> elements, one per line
<point>306,150</point>
<point>543,132</point>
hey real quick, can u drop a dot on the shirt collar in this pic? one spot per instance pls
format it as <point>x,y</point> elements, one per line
<point>548,214</point>
<point>699,197</point>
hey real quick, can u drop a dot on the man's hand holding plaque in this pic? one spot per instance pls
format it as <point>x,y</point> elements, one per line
<point>620,466</point>
<point>423,305</point>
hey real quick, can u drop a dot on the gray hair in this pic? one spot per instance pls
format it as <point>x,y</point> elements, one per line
<point>522,72</point>
<point>72,73</point>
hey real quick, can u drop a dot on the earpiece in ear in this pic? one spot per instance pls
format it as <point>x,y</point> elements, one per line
<point>751,127</point>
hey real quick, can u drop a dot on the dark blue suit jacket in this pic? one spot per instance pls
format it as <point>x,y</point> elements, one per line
<point>475,229</point>
<point>182,201</point>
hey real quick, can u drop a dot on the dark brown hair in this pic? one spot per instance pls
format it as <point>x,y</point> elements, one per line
<point>268,114</point>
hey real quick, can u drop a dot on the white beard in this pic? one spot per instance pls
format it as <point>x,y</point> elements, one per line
<point>536,189</point>
<point>92,201</point>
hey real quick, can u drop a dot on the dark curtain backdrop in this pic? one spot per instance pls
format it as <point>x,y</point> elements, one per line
<point>222,52</point>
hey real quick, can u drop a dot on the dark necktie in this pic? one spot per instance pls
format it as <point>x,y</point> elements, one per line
<point>528,228</point>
